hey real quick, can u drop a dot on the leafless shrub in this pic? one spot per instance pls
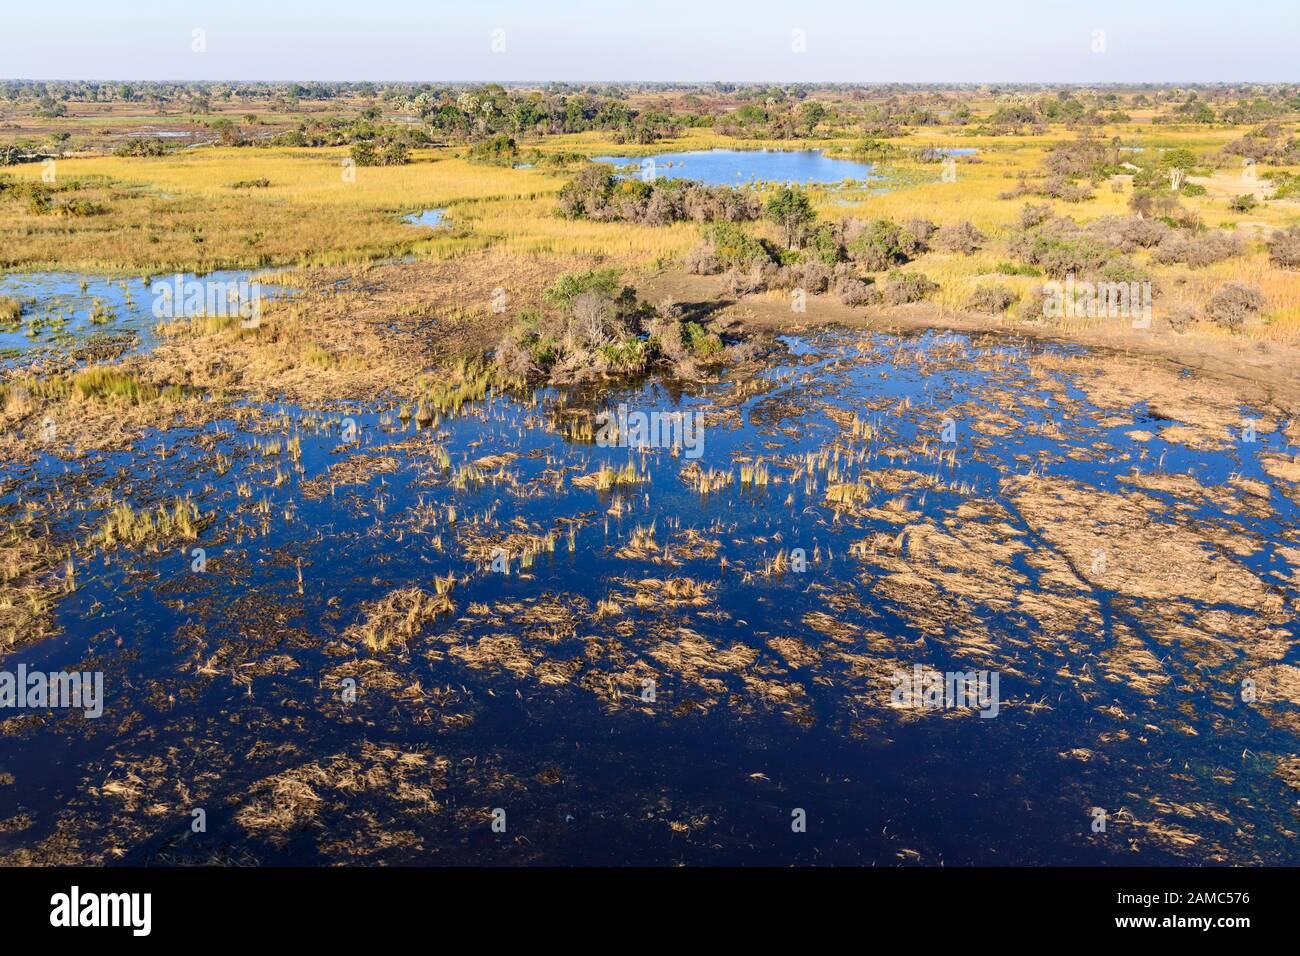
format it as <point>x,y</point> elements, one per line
<point>1031,306</point>
<point>740,282</point>
<point>1284,248</point>
<point>1181,318</point>
<point>991,299</point>
<point>1128,233</point>
<point>701,261</point>
<point>922,230</point>
<point>594,323</point>
<point>961,237</point>
<point>903,287</point>
<point>854,292</point>
<point>1196,251</point>
<point>1031,216</point>
<point>813,277</point>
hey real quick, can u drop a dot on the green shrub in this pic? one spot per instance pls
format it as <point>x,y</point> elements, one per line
<point>602,282</point>
<point>825,246</point>
<point>699,341</point>
<point>884,244</point>
<point>500,150</point>
<point>380,151</point>
<point>1286,185</point>
<point>733,246</point>
<point>1017,269</point>
<point>139,146</point>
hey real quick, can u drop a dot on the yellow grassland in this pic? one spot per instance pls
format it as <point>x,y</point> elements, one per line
<point>181,212</point>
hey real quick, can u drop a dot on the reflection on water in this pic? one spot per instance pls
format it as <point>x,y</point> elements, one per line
<point>736,167</point>
<point>433,218</point>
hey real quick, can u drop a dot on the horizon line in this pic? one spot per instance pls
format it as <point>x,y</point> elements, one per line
<point>642,82</point>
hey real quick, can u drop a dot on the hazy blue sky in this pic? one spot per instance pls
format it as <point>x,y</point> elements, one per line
<point>848,40</point>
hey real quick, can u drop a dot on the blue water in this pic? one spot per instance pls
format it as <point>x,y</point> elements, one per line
<point>734,167</point>
<point>58,306</point>
<point>433,218</point>
<point>218,681</point>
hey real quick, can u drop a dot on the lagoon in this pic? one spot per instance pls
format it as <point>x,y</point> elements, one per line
<point>737,167</point>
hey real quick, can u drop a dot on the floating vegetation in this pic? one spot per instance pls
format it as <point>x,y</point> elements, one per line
<point>401,616</point>
<point>149,526</point>
<point>755,474</point>
<point>101,314</point>
<point>608,478</point>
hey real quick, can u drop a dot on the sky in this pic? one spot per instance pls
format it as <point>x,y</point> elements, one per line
<point>864,41</point>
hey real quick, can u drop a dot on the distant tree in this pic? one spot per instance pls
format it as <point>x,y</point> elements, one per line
<point>140,146</point>
<point>229,132</point>
<point>500,150</point>
<point>382,151</point>
<point>810,114</point>
<point>47,106</point>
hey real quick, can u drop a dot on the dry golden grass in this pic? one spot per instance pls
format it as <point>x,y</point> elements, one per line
<point>180,212</point>
<point>401,616</point>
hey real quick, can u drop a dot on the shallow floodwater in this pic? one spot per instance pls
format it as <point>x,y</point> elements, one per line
<point>433,218</point>
<point>771,695</point>
<point>165,133</point>
<point>736,167</point>
<point>62,309</point>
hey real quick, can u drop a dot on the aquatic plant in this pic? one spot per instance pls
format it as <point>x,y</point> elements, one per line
<point>125,525</point>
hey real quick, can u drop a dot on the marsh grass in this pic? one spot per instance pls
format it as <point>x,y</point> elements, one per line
<point>11,311</point>
<point>97,383</point>
<point>464,381</point>
<point>126,526</point>
<point>108,384</point>
<point>179,213</point>
<point>609,478</point>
